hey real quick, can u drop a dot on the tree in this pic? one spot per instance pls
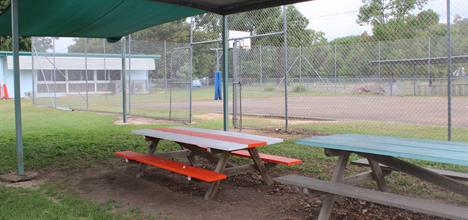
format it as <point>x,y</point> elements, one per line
<point>379,12</point>
<point>147,41</point>
<point>271,20</point>
<point>298,32</point>
<point>176,31</point>
<point>208,27</point>
<point>395,19</point>
<point>6,44</point>
<point>4,5</point>
<point>408,27</point>
<point>258,22</point>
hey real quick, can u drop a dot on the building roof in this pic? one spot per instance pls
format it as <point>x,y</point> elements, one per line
<point>96,62</point>
<point>22,53</point>
<point>114,18</point>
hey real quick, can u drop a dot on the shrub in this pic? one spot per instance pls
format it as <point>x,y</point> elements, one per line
<point>299,88</point>
<point>269,89</point>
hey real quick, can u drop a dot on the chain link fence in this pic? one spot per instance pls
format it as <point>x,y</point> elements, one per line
<point>393,73</point>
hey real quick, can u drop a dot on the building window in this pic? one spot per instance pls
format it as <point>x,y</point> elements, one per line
<point>48,75</point>
<point>80,75</point>
<point>114,74</point>
<point>60,75</point>
<point>102,75</point>
<point>44,75</point>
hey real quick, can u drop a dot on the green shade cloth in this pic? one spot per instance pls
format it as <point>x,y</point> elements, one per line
<point>91,18</point>
<point>113,19</point>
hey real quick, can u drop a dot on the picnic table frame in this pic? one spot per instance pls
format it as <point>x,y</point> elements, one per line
<point>216,156</point>
<point>378,175</point>
<point>381,151</point>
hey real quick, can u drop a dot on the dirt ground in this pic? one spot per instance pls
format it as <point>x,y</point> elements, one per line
<point>415,110</point>
<point>162,194</point>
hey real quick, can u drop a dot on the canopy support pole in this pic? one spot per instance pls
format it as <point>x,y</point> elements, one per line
<point>286,67</point>
<point>123,78</point>
<point>449,74</point>
<point>225,42</point>
<point>17,89</point>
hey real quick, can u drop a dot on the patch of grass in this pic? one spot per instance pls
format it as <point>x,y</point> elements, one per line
<point>63,139</point>
<point>269,89</point>
<point>299,88</point>
<point>46,202</point>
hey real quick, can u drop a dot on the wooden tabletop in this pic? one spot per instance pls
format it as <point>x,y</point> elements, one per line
<point>215,139</point>
<point>429,150</point>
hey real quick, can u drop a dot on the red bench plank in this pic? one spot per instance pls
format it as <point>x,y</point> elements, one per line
<point>269,158</point>
<point>177,167</point>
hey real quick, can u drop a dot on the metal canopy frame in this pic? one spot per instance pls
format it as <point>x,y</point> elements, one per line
<point>232,6</point>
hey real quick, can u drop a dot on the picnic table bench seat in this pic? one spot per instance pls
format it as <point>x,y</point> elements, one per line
<point>268,158</point>
<point>173,166</point>
<point>213,145</point>
<point>389,199</point>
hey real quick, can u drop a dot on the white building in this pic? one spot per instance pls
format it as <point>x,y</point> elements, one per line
<point>68,74</point>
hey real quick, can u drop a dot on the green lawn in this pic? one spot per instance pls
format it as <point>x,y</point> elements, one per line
<point>47,202</point>
<point>67,140</point>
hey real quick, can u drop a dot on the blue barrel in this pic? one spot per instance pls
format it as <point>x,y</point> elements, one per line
<point>218,84</point>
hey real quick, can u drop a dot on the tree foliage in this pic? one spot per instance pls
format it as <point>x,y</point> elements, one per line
<point>380,12</point>
<point>396,19</point>
<point>6,44</point>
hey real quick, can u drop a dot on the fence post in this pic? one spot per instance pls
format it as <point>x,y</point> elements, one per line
<point>235,80</point>
<point>33,70</point>
<point>106,74</point>
<point>379,53</point>
<point>414,85</point>
<point>123,79</point>
<point>86,72</point>
<point>225,42</point>
<point>130,84</point>
<point>300,63</point>
<point>334,70</point>
<point>429,73</point>
<point>54,72</point>
<point>449,73</point>
<point>261,64</point>
<point>285,44</point>
<point>191,70</point>
<point>165,65</point>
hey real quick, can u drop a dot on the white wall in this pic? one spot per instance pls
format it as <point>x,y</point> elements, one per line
<point>6,77</point>
<point>79,63</point>
<point>25,79</point>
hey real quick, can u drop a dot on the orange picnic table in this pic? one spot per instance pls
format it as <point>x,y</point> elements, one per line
<point>215,146</point>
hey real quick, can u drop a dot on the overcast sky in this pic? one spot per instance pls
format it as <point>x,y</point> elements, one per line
<point>337,18</point>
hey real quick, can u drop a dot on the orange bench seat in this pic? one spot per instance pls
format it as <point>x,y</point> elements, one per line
<point>173,166</point>
<point>267,158</point>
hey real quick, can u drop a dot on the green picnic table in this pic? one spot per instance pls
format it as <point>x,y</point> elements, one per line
<point>386,151</point>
